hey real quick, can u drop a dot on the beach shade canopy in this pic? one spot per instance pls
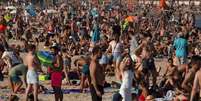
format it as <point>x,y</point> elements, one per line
<point>130,18</point>
<point>45,57</point>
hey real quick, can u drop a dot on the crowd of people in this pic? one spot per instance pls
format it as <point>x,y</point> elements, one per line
<point>110,40</point>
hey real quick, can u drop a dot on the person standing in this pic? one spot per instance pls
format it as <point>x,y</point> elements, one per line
<point>127,79</point>
<point>97,75</point>
<point>57,74</point>
<point>32,75</point>
<point>181,46</point>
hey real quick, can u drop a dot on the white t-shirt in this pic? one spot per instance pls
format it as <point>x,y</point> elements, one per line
<point>116,47</point>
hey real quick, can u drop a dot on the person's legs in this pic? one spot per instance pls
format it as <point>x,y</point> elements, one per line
<point>101,89</point>
<point>27,91</point>
<point>42,4</point>
<point>117,97</point>
<point>94,96</point>
<point>35,86</point>
<point>60,94</point>
<point>11,84</point>
<point>17,86</point>
<point>82,82</point>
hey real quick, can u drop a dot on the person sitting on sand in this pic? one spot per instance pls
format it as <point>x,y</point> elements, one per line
<point>197,81</point>
<point>171,73</point>
<point>189,76</point>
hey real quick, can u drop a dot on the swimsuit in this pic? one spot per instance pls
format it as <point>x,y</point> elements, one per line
<point>32,77</point>
<point>85,69</point>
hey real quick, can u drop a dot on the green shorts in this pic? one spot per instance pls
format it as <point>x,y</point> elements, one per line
<point>85,69</point>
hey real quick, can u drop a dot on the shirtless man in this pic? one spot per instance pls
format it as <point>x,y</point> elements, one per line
<point>188,80</point>
<point>197,81</point>
<point>32,76</point>
<point>97,75</point>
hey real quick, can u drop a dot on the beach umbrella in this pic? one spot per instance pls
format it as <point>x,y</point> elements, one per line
<point>45,57</point>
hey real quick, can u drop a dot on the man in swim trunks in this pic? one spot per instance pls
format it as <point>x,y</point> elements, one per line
<point>97,75</point>
<point>32,76</point>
